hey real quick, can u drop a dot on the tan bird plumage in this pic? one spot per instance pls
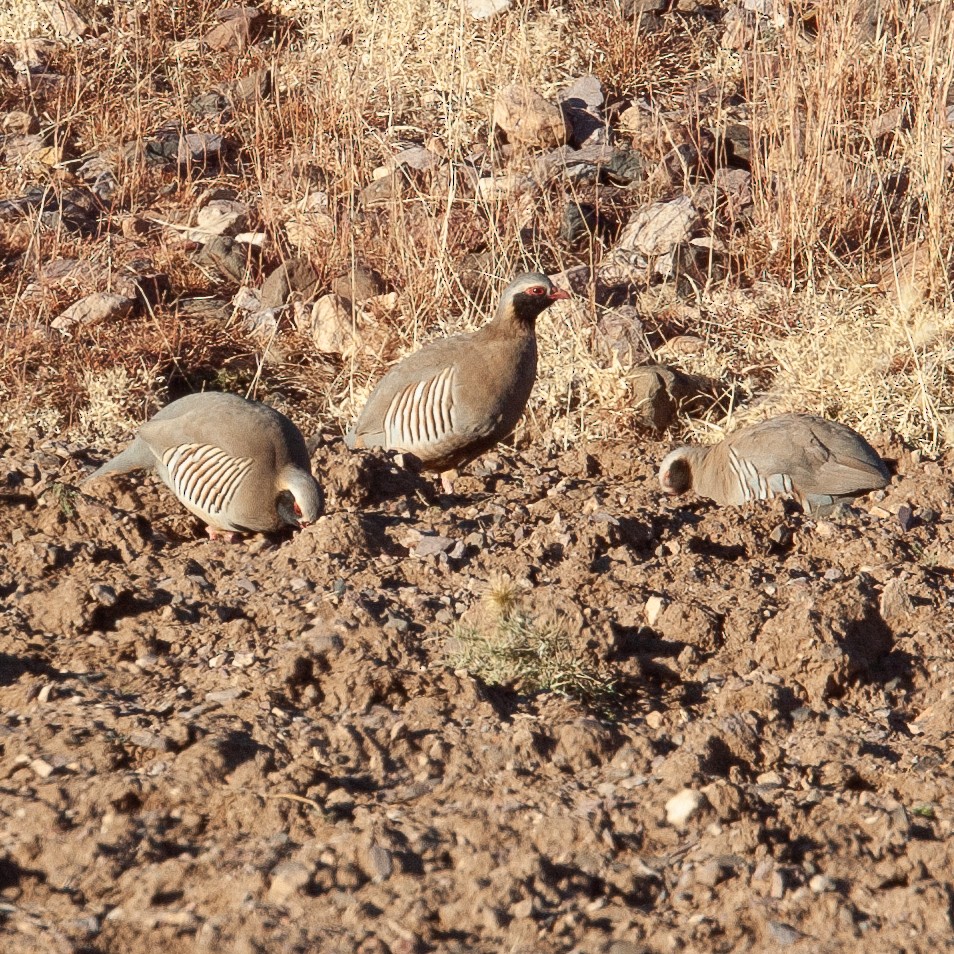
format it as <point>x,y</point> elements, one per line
<point>818,462</point>
<point>236,464</point>
<point>456,398</point>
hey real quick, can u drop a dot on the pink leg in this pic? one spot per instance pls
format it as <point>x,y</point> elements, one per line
<point>229,536</point>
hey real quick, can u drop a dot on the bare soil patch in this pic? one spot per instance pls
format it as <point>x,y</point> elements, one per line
<point>261,747</point>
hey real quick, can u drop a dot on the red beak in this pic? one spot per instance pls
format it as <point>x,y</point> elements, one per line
<point>558,294</point>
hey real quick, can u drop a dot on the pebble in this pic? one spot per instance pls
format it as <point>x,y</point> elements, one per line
<point>432,544</point>
<point>895,603</point>
<point>683,805</point>
<point>42,768</point>
<point>527,118</point>
<point>784,934</point>
<point>287,879</point>
<point>225,695</point>
<point>654,606</point>
<point>485,9</point>
<point>381,862</point>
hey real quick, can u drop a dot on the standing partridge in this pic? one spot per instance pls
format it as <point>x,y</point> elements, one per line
<point>237,464</point>
<point>456,398</point>
<point>818,462</point>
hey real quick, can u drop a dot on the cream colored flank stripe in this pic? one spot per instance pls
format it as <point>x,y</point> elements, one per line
<point>422,413</point>
<point>204,475</point>
<point>755,486</point>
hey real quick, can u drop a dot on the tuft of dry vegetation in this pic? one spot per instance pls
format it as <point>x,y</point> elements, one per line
<point>830,293</point>
<point>510,645</point>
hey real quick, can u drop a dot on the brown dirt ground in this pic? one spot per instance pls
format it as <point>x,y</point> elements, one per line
<point>260,747</point>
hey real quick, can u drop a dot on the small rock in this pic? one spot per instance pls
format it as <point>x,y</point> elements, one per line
<point>523,909</point>
<point>295,277</point>
<point>42,768</point>
<point>358,285</point>
<point>150,741</point>
<point>419,158</point>
<point>624,335</point>
<point>820,883</point>
<point>99,175</point>
<point>228,257</point>
<point>660,392</point>
<point>895,604</point>
<point>485,9</point>
<point>582,103</point>
<point>31,148</point>
<point>659,228</point>
<point>683,805</point>
<point>93,310</point>
<point>287,880</point>
<point>18,123</point>
<point>65,20</point>
<point>528,119</point>
<point>432,544</point>
<point>584,743</point>
<point>236,30</point>
<point>654,606</point>
<point>781,535</point>
<point>778,885</point>
<point>142,281</point>
<point>225,695</point>
<point>714,871</point>
<point>784,934</point>
<point>381,863</point>
<point>200,148</point>
<point>333,326</point>
<point>906,518</point>
<point>492,188</point>
<point>579,223</point>
<point>219,217</point>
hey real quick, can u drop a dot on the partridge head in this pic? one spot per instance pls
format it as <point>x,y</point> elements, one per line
<point>818,462</point>
<point>237,464</point>
<point>457,397</point>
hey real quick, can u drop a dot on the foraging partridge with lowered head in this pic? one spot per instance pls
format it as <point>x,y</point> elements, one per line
<point>818,462</point>
<point>238,465</point>
<point>455,398</point>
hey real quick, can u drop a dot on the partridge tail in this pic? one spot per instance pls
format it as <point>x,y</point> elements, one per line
<point>135,457</point>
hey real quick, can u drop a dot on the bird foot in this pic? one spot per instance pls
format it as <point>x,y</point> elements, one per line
<point>228,536</point>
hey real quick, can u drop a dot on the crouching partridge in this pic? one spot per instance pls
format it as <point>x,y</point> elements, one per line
<point>236,464</point>
<point>818,462</point>
<point>456,398</point>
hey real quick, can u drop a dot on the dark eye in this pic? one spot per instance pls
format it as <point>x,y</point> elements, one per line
<point>536,290</point>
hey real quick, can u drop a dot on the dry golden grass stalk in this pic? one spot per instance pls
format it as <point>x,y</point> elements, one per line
<point>850,176</point>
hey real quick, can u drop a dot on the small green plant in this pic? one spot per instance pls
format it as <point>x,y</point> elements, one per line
<point>923,811</point>
<point>510,646</point>
<point>64,495</point>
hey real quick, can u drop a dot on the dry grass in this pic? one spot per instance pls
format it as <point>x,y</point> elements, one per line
<point>843,201</point>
